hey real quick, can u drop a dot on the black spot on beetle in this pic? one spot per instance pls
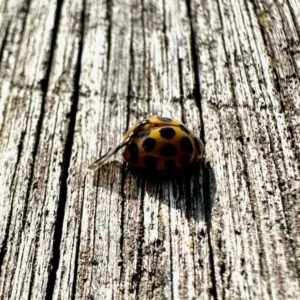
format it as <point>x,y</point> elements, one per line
<point>149,144</point>
<point>168,150</point>
<point>133,149</point>
<point>164,119</point>
<point>143,133</point>
<point>167,132</point>
<point>186,145</point>
<point>150,162</point>
<point>184,159</point>
<point>184,129</point>
<point>169,164</point>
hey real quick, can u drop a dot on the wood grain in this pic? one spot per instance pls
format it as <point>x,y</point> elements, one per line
<point>75,75</point>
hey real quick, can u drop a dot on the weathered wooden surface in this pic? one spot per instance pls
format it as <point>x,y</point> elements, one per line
<point>75,75</point>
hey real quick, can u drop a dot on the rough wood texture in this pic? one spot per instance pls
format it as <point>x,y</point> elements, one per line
<point>75,75</point>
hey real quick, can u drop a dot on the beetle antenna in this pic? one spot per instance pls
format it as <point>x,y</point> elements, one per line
<point>104,158</point>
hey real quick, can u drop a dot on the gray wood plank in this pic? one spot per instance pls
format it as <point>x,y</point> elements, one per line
<point>74,77</point>
<point>257,195</point>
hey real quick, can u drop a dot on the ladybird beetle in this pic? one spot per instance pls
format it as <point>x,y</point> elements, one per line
<point>157,143</point>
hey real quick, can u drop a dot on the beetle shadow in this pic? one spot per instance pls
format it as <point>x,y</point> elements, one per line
<point>192,191</point>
